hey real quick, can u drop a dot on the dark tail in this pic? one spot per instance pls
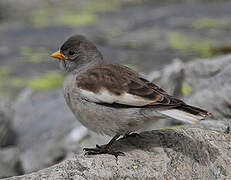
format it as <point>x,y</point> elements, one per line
<point>194,110</point>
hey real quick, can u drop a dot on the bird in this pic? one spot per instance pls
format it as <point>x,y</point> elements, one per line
<point>112,99</point>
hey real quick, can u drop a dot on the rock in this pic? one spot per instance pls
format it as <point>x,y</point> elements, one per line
<point>170,78</point>
<point>41,156</point>
<point>161,154</point>
<point>9,6</point>
<point>209,83</point>
<point>7,135</point>
<point>199,72</point>
<point>9,162</point>
<point>214,125</point>
<point>44,124</point>
<point>195,73</point>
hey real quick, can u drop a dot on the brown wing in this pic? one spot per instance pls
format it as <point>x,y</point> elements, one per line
<point>167,100</point>
<point>112,83</point>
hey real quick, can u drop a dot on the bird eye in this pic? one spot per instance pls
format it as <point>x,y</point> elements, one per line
<point>71,53</point>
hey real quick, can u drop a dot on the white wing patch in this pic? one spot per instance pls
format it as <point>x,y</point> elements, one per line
<point>104,96</point>
<point>133,100</point>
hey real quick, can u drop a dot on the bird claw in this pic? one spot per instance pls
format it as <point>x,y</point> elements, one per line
<point>102,150</point>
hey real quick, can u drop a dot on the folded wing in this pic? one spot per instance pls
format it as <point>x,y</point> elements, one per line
<point>112,84</point>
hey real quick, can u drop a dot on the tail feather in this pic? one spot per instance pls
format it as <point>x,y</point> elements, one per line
<point>194,110</point>
<point>186,113</point>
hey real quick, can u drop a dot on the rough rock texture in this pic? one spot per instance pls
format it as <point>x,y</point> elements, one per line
<point>198,74</point>
<point>170,78</point>
<point>210,84</point>
<point>9,162</point>
<point>161,154</point>
<point>7,135</point>
<point>43,124</point>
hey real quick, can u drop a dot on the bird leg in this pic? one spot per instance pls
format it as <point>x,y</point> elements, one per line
<point>130,134</point>
<point>105,149</point>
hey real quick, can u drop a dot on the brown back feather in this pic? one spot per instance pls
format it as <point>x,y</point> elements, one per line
<point>120,79</point>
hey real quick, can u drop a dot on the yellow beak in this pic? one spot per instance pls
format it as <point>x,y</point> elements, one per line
<point>58,55</point>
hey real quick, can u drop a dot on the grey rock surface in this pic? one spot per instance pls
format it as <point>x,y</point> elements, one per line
<point>7,134</point>
<point>210,84</point>
<point>42,123</point>
<point>9,162</point>
<point>198,73</point>
<point>170,78</point>
<point>161,154</point>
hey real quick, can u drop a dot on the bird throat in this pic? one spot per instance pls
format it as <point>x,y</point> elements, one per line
<point>80,65</point>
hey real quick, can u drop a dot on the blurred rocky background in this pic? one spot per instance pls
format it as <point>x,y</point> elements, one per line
<point>182,45</point>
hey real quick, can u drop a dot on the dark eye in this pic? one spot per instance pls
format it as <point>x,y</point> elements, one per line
<point>71,53</point>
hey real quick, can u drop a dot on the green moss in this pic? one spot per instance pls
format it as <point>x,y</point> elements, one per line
<point>77,19</point>
<point>100,6</point>
<point>28,54</point>
<point>4,71</point>
<point>133,44</point>
<point>16,82</point>
<point>87,13</point>
<point>1,85</point>
<point>207,23</point>
<point>132,66</point>
<point>204,48</point>
<point>186,89</point>
<point>9,84</point>
<point>71,13</point>
<point>182,42</point>
<point>135,166</point>
<point>49,80</point>
<point>178,41</point>
<point>173,127</point>
<point>40,18</point>
<point>115,31</point>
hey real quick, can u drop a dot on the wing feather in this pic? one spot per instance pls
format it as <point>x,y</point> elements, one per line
<point>112,83</point>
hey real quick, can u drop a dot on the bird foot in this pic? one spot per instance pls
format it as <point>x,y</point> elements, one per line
<point>102,150</point>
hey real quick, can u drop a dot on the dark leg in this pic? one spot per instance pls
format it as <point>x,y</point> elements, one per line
<point>104,149</point>
<point>130,134</point>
